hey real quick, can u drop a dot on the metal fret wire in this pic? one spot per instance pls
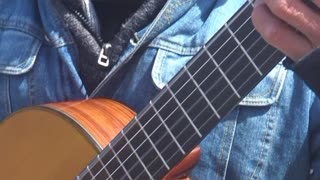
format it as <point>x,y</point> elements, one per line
<point>121,163</point>
<point>206,62</point>
<point>168,129</point>
<point>88,169</point>
<point>169,115</point>
<point>170,99</point>
<point>184,112</point>
<point>100,161</point>
<point>214,99</point>
<point>202,93</point>
<point>203,125</point>
<point>194,89</point>
<point>231,52</point>
<point>214,69</point>
<point>134,151</point>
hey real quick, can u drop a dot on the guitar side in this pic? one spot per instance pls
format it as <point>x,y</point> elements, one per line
<point>57,141</point>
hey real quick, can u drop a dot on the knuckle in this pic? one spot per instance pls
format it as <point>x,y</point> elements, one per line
<point>282,8</point>
<point>271,34</point>
<point>255,16</point>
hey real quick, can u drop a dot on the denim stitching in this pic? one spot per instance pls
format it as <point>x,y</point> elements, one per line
<point>262,149</point>
<point>31,88</point>
<point>22,27</point>
<point>65,37</point>
<point>263,146</point>
<point>153,25</point>
<point>171,8</point>
<point>157,67</point>
<point>164,56</point>
<point>161,66</point>
<point>22,68</point>
<point>275,117</point>
<point>231,141</point>
<point>156,24</point>
<point>33,50</point>
<point>222,148</point>
<point>164,17</point>
<point>274,80</point>
<point>175,47</point>
<point>8,104</point>
<point>278,86</point>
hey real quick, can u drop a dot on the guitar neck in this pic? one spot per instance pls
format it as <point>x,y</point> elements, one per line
<point>215,80</point>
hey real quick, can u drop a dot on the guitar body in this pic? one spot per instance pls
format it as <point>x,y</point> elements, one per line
<point>57,141</point>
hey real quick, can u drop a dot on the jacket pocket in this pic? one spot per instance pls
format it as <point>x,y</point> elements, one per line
<point>268,91</point>
<point>18,51</point>
<point>169,60</point>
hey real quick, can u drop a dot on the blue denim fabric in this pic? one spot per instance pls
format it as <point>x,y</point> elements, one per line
<point>36,57</point>
<point>268,136</point>
<point>273,133</point>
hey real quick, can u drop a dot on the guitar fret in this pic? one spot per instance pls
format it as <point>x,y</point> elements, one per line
<point>120,162</point>
<point>243,31</point>
<point>89,171</point>
<point>244,51</point>
<point>222,30</point>
<point>270,61</point>
<point>237,15</point>
<point>183,110</point>
<point>152,144</point>
<point>167,128</point>
<point>251,2</point>
<point>202,93</point>
<point>160,134</point>
<point>221,71</point>
<point>105,169</point>
<point>135,153</point>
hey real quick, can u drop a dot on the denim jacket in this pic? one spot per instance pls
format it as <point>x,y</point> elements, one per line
<point>272,134</point>
<point>37,57</point>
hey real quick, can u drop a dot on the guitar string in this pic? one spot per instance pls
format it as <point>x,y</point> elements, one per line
<point>250,2</point>
<point>194,134</point>
<point>247,65</point>
<point>220,63</point>
<point>207,60</point>
<point>179,120</point>
<point>190,137</point>
<point>182,131</point>
<point>188,80</point>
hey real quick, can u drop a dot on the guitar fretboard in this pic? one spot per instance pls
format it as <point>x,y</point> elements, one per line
<point>218,77</point>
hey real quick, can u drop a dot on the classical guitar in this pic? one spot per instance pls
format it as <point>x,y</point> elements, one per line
<point>57,141</point>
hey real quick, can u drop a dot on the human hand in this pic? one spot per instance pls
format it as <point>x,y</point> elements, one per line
<point>289,25</point>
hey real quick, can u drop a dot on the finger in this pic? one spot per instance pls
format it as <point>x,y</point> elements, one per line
<point>313,4</point>
<point>258,3</point>
<point>299,15</point>
<point>316,2</point>
<point>278,34</point>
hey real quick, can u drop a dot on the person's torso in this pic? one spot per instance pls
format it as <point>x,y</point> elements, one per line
<point>38,64</point>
